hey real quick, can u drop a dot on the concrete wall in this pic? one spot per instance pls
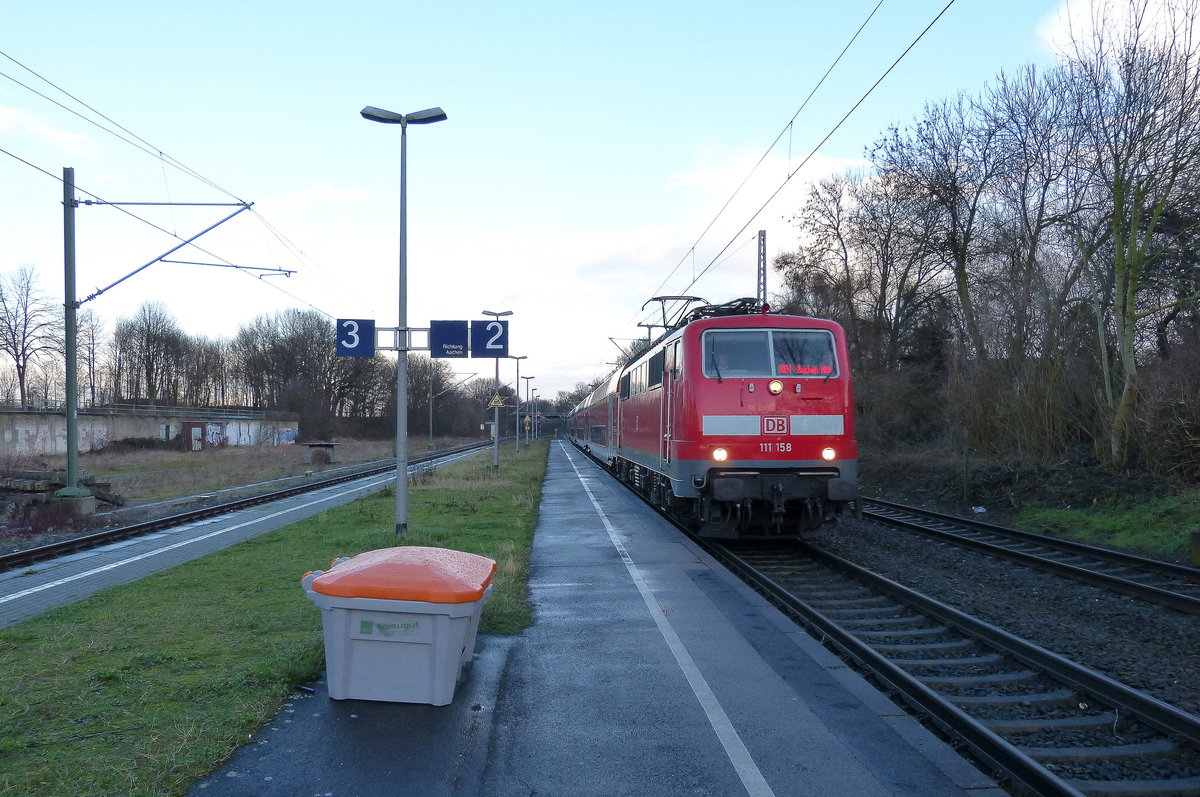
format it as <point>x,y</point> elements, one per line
<point>25,432</point>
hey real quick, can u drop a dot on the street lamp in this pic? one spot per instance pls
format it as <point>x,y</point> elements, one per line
<point>518,385</point>
<point>427,116</point>
<point>534,398</point>
<point>529,407</point>
<point>496,410</point>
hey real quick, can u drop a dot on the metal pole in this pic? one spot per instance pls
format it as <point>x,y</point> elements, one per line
<point>528,407</point>
<point>762,267</point>
<point>402,354</point>
<point>496,423</point>
<point>496,397</point>
<point>517,396</point>
<point>70,306</point>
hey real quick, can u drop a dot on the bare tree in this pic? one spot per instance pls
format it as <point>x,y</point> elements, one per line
<point>90,333</point>
<point>29,323</point>
<point>1138,83</point>
<point>567,400</point>
<point>153,346</point>
<point>903,285</point>
<point>822,274</point>
<point>203,372</point>
<point>1037,194</point>
<point>948,157</point>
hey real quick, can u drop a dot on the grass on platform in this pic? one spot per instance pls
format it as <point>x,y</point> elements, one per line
<point>145,688</point>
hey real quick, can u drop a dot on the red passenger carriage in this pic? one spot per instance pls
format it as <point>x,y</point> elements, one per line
<point>737,419</point>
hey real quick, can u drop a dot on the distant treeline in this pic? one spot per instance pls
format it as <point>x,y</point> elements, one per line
<point>282,361</point>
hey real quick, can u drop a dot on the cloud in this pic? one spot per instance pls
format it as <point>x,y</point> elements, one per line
<point>315,196</point>
<point>16,120</point>
<point>733,207</point>
<point>1075,23</point>
<point>11,118</point>
<point>724,178</point>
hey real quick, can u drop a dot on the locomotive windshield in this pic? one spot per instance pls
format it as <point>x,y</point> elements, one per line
<point>769,353</point>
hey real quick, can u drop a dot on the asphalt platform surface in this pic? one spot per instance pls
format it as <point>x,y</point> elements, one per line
<point>649,671</point>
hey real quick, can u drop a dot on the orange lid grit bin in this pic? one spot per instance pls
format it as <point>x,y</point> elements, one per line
<point>409,573</point>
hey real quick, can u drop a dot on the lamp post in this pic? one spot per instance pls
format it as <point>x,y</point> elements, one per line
<point>427,116</point>
<point>529,407</point>
<point>518,391</point>
<point>496,410</point>
<point>534,399</point>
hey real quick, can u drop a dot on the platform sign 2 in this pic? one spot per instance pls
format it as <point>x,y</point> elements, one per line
<point>448,339</point>
<point>356,337</point>
<point>489,338</point>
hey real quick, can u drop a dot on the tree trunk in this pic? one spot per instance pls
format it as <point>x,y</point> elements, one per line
<point>1122,422</point>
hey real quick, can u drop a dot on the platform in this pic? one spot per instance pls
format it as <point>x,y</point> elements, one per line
<point>649,671</point>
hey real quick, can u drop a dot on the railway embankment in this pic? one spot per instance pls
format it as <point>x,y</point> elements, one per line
<point>1079,498</point>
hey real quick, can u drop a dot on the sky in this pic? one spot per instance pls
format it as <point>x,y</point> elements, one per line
<point>591,158</point>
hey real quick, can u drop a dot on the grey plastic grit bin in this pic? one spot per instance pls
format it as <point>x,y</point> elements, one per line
<point>400,623</point>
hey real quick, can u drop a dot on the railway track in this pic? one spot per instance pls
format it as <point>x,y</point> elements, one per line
<point>1041,722</point>
<point>1164,583</point>
<point>1037,720</point>
<point>29,556</point>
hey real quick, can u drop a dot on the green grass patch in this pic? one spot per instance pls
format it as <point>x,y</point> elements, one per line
<point>143,689</point>
<point>1158,527</point>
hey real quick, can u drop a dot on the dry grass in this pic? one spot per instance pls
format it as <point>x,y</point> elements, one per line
<point>142,476</point>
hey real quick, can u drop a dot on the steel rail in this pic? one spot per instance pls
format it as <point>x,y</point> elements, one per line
<point>1175,600</point>
<point>983,743</point>
<point>1163,716</point>
<point>41,553</point>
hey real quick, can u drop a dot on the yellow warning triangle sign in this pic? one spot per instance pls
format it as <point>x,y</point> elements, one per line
<point>496,401</point>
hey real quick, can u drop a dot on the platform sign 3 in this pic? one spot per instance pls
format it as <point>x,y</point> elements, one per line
<point>489,338</point>
<point>448,339</point>
<point>356,337</point>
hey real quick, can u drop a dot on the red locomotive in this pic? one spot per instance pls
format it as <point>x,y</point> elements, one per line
<point>738,420</point>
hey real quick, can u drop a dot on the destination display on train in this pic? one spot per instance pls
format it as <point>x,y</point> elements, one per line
<point>805,370</point>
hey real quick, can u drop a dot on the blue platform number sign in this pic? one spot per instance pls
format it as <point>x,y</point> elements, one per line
<point>448,339</point>
<point>356,337</point>
<point>489,338</point>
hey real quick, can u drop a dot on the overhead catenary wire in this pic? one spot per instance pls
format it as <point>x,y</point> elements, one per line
<point>99,200</point>
<point>141,143</point>
<point>717,258</point>
<point>137,142</point>
<point>786,128</point>
<point>820,144</point>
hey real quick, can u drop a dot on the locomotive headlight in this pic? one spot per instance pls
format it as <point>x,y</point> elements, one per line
<point>828,454</point>
<point>776,387</point>
<point>720,454</point>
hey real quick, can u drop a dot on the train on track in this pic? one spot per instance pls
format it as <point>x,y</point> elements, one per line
<point>737,421</point>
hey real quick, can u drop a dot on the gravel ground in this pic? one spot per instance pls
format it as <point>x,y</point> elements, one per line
<point>1150,648</point>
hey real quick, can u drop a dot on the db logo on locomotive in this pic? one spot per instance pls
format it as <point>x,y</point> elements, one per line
<point>775,424</point>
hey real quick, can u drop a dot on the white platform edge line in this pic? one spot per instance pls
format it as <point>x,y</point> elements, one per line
<point>130,560</point>
<point>748,771</point>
